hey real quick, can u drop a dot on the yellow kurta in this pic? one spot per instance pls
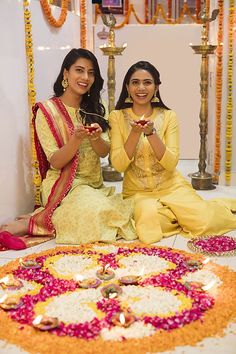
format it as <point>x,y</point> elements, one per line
<point>165,203</point>
<point>90,212</point>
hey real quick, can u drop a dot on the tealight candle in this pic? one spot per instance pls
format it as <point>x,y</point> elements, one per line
<point>10,282</point>
<point>10,303</point>
<point>130,280</point>
<point>105,273</point>
<point>45,323</point>
<point>111,291</point>
<point>29,264</point>
<point>123,319</point>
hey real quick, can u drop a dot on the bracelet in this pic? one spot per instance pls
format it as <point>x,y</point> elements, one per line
<point>152,132</point>
<point>95,138</point>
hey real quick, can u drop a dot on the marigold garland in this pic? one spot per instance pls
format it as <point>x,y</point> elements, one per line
<point>159,10</point>
<point>48,13</point>
<point>219,72</point>
<point>68,337</point>
<point>31,95</point>
<point>229,115</point>
<point>83,24</point>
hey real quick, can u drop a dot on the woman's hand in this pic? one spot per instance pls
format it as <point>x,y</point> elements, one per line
<point>80,133</point>
<point>94,134</point>
<point>142,128</point>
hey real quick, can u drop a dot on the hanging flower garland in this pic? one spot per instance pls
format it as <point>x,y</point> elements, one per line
<point>159,10</point>
<point>229,116</point>
<point>83,24</point>
<point>48,13</point>
<point>219,71</point>
<point>31,94</point>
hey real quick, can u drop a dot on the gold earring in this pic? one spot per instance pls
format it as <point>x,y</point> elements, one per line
<point>155,99</point>
<point>64,84</point>
<point>129,99</point>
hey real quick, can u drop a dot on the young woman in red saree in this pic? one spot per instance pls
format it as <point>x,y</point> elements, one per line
<point>71,136</point>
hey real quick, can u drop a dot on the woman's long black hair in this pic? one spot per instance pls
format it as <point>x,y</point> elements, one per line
<point>140,65</point>
<point>91,102</point>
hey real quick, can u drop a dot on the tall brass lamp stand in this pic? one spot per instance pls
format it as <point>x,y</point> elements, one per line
<point>111,50</point>
<point>202,180</point>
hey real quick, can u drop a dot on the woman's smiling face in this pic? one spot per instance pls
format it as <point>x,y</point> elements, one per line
<point>141,87</point>
<point>80,76</point>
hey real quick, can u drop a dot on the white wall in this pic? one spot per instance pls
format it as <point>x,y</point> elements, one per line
<point>16,191</point>
<point>167,47</point>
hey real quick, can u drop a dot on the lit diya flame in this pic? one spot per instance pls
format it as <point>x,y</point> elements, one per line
<point>10,282</point>
<point>87,283</point>
<point>130,280</point>
<point>111,291</point>
<point>209,285</point>
<point>123,319</point>
<point>10,302</point>
<point>105,273</point>
<point>29,264</point>
<point>45,323</point>
<point>206,260</point>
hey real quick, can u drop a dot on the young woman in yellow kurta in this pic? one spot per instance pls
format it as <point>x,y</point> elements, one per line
<point>76,207</point>
<point>145,146</point>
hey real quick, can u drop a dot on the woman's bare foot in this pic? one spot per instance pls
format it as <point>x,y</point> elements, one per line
<point>17,227</point>
<point>24,216</point>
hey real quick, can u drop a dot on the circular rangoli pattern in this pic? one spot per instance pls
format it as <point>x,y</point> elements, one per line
<point>115,298</point>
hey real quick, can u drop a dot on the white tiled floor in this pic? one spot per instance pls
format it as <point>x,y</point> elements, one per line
<point>221,345</point>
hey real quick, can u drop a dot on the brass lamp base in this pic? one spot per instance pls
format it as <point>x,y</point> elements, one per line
<point>202,181</point>
<point>110,174</point>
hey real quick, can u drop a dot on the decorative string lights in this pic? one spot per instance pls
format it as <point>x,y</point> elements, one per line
<point>31,94</point>
<point>219,71</point>
<point>83,24</point>
<point>229,115</point>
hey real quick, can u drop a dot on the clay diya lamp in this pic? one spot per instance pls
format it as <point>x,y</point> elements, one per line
<point>111,291</point>
<point>90,128</point>
<point>123,319</point>
<point>10,303</point>
<point>194,285</point>
<point>11,283</point>
<point>105,273</point>
<point>129,280</point>
<point>192,264</point>
<point>89,283</point>
<point>45,323</point>
<point>142,121</point>
<point>29,264</point>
